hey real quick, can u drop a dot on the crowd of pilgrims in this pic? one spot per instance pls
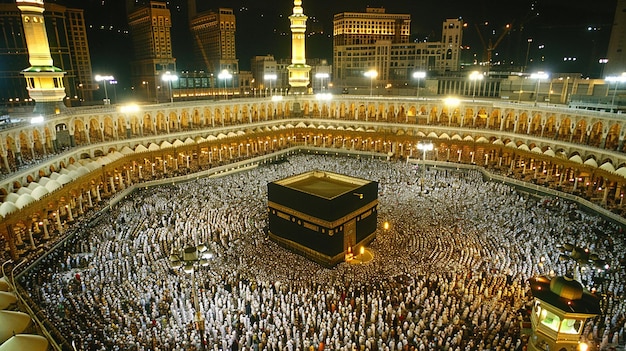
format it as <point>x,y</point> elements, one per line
<point>450,273</point>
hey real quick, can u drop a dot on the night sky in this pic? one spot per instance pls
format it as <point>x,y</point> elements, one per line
<point>562,30</point>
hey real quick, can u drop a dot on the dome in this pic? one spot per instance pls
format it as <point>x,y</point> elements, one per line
<point>566,288</point>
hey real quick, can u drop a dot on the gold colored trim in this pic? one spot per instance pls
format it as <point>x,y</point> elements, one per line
<point>321,222</point>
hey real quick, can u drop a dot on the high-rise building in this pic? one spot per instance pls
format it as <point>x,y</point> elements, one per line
<point>616,54</point>
<point>150,25</point>
<point>213,35</point>
<point>366,28</point>
<point>376,40</point>
<point>264,72</point>
<point>68,48</point>
<point>451,39</point>
<point>298,70</point>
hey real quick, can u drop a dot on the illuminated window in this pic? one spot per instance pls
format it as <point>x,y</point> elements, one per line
<point>571,326</point>
<point>550,320</point>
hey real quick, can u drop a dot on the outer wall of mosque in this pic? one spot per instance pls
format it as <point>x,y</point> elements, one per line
<point>319,227</point>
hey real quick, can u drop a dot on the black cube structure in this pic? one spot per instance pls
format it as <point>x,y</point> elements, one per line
<point>322,215</point>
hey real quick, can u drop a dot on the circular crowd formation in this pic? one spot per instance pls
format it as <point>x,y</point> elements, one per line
<point>450,273</point>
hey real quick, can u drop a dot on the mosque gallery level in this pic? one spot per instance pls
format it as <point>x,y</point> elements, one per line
<point>55,170</point>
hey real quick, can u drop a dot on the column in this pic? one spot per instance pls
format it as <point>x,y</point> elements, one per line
<point>46,234</point>
<point>128,179</point>
<point>70,218</point>
<point>58,218</point>
<point>30,238</point>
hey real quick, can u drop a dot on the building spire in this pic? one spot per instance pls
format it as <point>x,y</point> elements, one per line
<point>298,70</point>
<point>44,81</point>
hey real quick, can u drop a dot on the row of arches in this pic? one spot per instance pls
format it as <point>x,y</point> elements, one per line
<point>552,148</point>
<point>30,144</point>
<point>88,180</point>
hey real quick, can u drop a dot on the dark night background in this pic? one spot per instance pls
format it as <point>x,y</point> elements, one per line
<point>565,28</point>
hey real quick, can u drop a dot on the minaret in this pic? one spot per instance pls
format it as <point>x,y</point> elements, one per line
<point>44,81</point>
<point>298,70</point>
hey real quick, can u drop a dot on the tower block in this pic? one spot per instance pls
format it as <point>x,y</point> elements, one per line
<point>560,309</point>
<point>298,70</point>
<point>44,81</point>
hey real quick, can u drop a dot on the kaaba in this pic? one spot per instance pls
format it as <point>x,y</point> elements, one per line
<point>322,215</point>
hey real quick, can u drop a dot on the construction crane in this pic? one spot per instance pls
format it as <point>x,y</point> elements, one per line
<point>490,46</point>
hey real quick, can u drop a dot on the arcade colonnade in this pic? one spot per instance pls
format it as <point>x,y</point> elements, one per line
<point>92,156</point>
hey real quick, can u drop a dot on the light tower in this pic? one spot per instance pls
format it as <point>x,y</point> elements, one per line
<point>560,308</point>
<point>44,81</point>
<point>298,70</point>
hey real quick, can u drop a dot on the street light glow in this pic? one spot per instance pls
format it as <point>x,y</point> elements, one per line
<point>321,76</point>
<point>618,79</point>
<point>100,78</point>
<point>419,75</point>
<point>169,78</point>
<point>474,76</point>
<point>224,74</point>
<point>371,74</point>
<point>270,77</point>
<point>539,75</point>
<point>451,101</point>
<point>105,79</point>
<point>425,146</point>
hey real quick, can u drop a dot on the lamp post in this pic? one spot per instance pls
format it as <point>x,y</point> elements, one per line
<point>114,84</point>
<point>270,77</point>
<point>189,258</point>
<point>105,79</point>
<point>321,76</point>
<point>475,76</point>
<point>530,40</point>
<point>169,78</point>
<point>147,84</point>
<point>602,62</point>
<point>225,75</point>
<point>371,74</point>
<point>538,76</point>
<point>582,257</point>
<point>424,147</point>
<point>617,79</point>
<point>419,75</point>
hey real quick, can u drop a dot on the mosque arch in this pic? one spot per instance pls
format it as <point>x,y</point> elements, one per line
<point>536,125</point>
<point>509,122</point>
<point>161,123</point>
<point>549,128</point>
<point>148,127</point>
<point>564,131</point>
<point>595,134</point>
<point>94,131</point>
<point>108,128</point>
<point>612,137</point>
<point>38,145</point>
<point>172,122</point>
<point>522,123</point>
<point>580,131</point>
<point>185,120</point>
